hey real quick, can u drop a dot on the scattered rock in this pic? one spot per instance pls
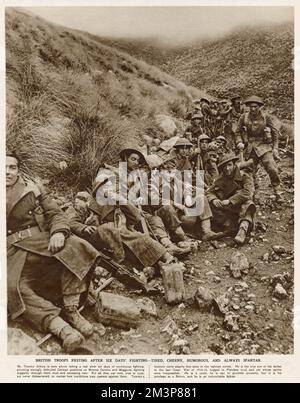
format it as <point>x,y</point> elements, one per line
<point>99,329</point>
<point>279,249</point>
<point>180,343</point>
<point>238,264</point>
<point>244,285</point>
<point>222,303</point>
<point>210,273</point>
<point>147,305</point>
<point>204,298</point>
<point>217,279</point>
<point>279,292</point>
<point>265,257</point>
<point>169,326</point>
<point>226,337</point>
<point>149,273</point>
<point>285,279</point>
<point>261,226</point>
<point>192,327</point>
<point>230,322</point>
<point>217,348</point>
<point>117,350</point>
<point>19,343</point>
<point>240,287</point>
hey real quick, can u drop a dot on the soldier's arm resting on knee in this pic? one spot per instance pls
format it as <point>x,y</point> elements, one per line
<point>244,194</point>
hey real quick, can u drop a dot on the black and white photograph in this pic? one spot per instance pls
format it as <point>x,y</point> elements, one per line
<point>150,180</point>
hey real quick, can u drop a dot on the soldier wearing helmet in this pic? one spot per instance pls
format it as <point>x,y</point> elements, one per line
<point>258,136</point>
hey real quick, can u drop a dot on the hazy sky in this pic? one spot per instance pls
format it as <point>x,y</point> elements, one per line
<point>170,23</point>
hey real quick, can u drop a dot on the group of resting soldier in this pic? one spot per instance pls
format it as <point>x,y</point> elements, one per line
<point>51,253</point>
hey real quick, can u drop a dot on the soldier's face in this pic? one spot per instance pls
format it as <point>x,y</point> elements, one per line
<point>12,170</point>
<point>254,108</point>
<point>184,151</point>
<point>204,145</point>
<point>79,204</point>
<point>133,161</point>
<point>228,168</point>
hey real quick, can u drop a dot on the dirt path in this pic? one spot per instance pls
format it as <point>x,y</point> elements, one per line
<point>257,321</point>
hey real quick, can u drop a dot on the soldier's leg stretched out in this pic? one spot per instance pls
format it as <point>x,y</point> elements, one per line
<point>169,216</point>
<point>43,277</point>
<point>159,230</point>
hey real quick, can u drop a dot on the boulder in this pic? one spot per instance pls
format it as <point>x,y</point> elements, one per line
<point>279,292</point>
<point>204,298</point>
<point>239,264</point>
<point>19,343</point>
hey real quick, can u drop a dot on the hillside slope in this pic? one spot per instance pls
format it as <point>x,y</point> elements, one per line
<point>248,60</point>
<point>252,60</point>
<point>72,99</point>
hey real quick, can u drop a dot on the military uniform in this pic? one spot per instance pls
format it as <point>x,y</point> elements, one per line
<point>251,132</point>
<point>113,235</point>
<point>32,218</point>
<point>239,190</point>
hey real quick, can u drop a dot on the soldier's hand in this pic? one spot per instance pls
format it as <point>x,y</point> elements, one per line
<point>56,242</point>
<point>217,203</point>
<point>90,229</point>
<point>240,146</point>
<point>225,203</point>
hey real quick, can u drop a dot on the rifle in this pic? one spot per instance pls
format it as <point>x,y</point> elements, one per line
<point>199,159</point>
<point>143,221</point>
<point>124,275</point>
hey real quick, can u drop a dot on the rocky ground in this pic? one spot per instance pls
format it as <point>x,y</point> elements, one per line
<point>243,304</point>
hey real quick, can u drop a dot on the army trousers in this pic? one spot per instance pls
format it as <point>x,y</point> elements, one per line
<point>173,218</point>
<point>44,285</point>
<point>156,225</point>
<point>269,164</point>
<point>231,217</point>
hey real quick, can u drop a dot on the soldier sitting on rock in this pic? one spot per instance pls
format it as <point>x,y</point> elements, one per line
<point>230,198</point>
<point>174,214</point>
<point>46,263</point>
<point>110,228</point>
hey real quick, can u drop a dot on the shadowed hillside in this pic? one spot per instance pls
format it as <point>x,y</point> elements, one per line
<point>248,60</point>
<point>72,99</point>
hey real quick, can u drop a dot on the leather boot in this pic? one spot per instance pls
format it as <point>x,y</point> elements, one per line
<point>174,249</point>
<point>70,337</point>
<point>207,233</point>
<point>180,234</point>
<point>240,237</point>
<point>72,316</point>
